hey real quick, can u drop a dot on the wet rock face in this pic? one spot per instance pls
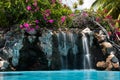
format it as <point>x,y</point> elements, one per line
<point>31,56</point>
<point>22,51</point>
<point>50,50</point>
<point>54,50</point>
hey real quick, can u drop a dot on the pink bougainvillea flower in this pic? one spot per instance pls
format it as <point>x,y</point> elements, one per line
<point>26,25</point>
<point>51,21</point>
<point>32,29</point>
<point>47,11</point>
<point>105,11</point>
<point>36,21</point>
<point>37,27</point>
<point>85,14</point>
<point>113,24</point>
<point>71,15</point>
<point>21,26</point>
<point>108,17</point>
<point>53,1</point>
<point>44,17</point>
<point>47,14</point>
<point>37,9</point>
<point>35,4</point>
<point>109,33</point>
<point>28,8</point>
<point>97,19</point>
<point>63,18</point>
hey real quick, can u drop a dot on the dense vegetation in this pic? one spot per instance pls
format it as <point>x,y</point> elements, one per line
<point>35,14</point>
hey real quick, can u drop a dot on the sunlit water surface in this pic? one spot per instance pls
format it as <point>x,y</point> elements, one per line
<point>61,75</point>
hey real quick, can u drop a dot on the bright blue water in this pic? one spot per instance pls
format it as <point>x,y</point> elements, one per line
<point>61,75</point>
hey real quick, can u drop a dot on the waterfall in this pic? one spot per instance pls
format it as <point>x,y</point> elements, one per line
<point>67,46</point>
<point>73,48</point>
<point>86,53</point>
<point>63,48</point>
<point>46,44</point>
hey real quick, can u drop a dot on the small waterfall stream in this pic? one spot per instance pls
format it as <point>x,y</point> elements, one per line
<point>86,53</point>
<point>63,48</point>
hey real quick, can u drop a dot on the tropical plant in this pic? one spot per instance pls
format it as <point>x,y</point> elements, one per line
<point>109,10</point>
<point>111,6</point>
<point>13,10</point>
<point>46,13</point>
<point>35,13</point>
<point>3,19</point>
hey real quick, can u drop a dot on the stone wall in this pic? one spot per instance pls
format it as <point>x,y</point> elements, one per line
<point>48,49</point>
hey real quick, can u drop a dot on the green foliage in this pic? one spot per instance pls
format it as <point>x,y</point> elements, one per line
<point>3,19</point>
<point>16,12</point>
<point>75,5</point>
<point>12,12</point>
<point>47,10</point>
<point>111,6</point>
<point>80,2</point>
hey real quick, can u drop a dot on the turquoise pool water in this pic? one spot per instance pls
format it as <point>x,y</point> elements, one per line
<point>61,75</point>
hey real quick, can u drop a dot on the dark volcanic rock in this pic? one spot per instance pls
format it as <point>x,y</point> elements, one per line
<point>31,57</point>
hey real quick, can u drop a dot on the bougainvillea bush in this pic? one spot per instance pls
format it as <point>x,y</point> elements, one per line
<point>31,15</point>
<point>46,13</point>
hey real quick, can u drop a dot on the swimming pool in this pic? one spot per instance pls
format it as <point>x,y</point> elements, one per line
<point>61,75</point>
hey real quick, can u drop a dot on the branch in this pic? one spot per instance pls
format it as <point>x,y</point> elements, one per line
<point>104,30</point>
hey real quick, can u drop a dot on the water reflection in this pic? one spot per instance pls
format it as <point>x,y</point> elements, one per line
<point>10,76</point>
<point>108,75</point>
<point>1,77</point>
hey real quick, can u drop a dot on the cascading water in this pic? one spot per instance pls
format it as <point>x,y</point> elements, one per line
<point>63,48</point>
<point>67,46</point>
<point>68,50</point>
<point>73,48</point>
<point>46,44</point>
<point>86,53</point>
